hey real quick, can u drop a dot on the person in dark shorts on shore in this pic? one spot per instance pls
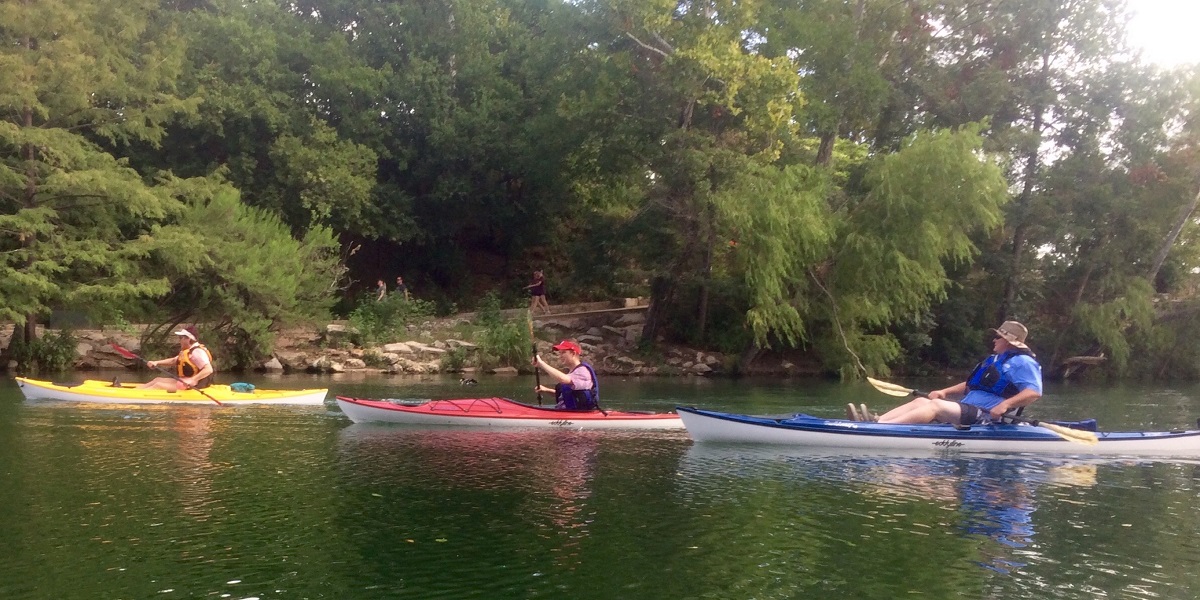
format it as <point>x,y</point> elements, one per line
<point>537,293</point>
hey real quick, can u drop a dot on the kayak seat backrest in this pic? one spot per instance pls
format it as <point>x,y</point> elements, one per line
<point>1084,425</point>
<point>1017,413</point>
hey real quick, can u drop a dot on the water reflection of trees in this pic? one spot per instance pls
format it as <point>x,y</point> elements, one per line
<point>938,519</point>
<point>527,483</point>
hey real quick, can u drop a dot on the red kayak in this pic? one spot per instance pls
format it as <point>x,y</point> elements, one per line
<point>500,412</point>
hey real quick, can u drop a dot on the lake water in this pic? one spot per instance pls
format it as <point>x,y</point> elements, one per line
<point>143,502</point>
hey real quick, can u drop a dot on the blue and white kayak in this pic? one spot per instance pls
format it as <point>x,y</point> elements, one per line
<point>806,430</point>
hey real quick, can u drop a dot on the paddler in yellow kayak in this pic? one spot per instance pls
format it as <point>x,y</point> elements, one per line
<point>193,364</point>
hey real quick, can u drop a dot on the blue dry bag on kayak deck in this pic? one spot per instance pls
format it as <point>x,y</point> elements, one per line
<point>242,387</point>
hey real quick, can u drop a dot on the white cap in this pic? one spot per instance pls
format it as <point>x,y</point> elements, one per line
<point>186,333</point>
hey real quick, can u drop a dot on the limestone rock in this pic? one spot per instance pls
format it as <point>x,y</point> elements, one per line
<point>636,318</point>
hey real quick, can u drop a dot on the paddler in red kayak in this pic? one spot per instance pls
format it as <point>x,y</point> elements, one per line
<point>578,387</point>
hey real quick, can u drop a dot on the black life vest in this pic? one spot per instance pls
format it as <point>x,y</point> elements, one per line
<point>573,399</point>
<point>988,377</point>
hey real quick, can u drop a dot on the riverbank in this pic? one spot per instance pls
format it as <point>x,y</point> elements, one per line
<point>609,333</point>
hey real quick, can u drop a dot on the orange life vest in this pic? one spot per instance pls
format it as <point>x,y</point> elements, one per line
<point>184,366</point>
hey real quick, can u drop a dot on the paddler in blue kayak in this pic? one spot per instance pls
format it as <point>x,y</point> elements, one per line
<point>1009,379</point>
<point>577,388</point>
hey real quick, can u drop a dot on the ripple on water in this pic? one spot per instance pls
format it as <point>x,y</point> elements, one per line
<point>988,502</point>
<point>167,494</point>
<point>278,503</point>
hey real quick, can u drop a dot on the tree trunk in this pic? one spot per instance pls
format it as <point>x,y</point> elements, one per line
<point>1185,214</point>
<point>825,151</point>
<point>702,307</point>
<point>1062,332</point>
<point>707,234</point>
<point>661,291</point>
<point>1021,220</point>
<point>747,357</point>
<point>29,331</point>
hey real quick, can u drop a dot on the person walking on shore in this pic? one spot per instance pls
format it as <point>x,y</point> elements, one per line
<point>537,293</point>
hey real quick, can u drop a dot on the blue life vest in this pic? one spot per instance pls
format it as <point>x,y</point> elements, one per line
<point>988,377</point>
<point>573,399</point>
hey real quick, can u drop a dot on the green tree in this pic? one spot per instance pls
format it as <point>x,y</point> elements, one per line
<point>469,138</point>
<point>277,101</point>
<point>1119,266</point>
<point>73,216</point>
<point>239,270</point>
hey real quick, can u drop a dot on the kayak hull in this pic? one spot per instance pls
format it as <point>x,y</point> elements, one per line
<point>804,430</point>
<point>103,392</point>
<point>499,412</point>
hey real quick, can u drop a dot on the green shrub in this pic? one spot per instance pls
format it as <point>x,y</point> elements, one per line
<point>488,313</point>
<point>244,346</point>
<point>454,360</point>
<point>375,360</point>
<point>50,353</point>
<point>507,342</point>
<point>375,320</point>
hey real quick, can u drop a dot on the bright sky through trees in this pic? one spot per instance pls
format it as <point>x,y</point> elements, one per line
<point>1165,30</point>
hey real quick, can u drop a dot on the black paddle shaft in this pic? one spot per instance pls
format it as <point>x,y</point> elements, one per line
<point>537,373</point>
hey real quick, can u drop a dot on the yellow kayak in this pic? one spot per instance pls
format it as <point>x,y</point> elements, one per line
<point>93,390</point>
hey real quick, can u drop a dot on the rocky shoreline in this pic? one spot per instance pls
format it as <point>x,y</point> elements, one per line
<point>609,338</point>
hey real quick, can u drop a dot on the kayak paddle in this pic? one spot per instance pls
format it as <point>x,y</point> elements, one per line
<point>128,354</point>
<point>1066,433</point>
<point>537,370</point>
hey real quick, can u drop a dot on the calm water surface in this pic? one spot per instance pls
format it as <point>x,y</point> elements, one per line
<point>208,502</point>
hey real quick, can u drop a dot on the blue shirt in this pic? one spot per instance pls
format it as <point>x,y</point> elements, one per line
<point>1023,370</point>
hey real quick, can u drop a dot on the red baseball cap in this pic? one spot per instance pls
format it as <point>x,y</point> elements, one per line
<point>568,345</point>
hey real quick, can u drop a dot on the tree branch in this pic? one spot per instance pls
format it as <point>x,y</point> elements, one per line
<point>664,54</point>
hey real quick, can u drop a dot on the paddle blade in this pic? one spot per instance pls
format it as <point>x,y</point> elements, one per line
<point>890,389</point>
<point>1072,435</point>
<point>122,351</point>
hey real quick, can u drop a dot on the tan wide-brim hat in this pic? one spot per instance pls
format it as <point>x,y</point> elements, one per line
<point>1014,332</point>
